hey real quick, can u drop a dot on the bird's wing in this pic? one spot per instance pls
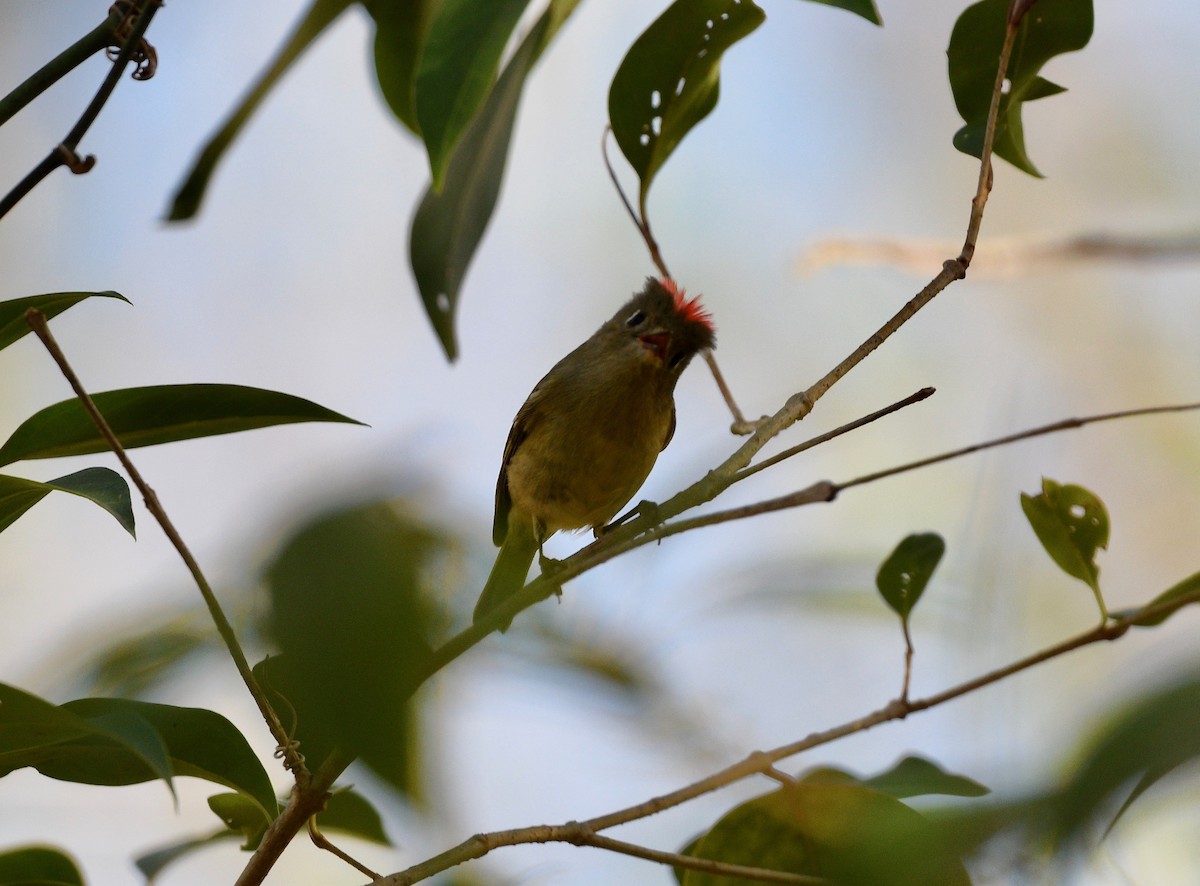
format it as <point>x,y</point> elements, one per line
<point>516,436</point>
<point>670,429</point>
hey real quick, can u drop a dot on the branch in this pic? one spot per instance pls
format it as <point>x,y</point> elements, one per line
<point>292,759</point>
<point>763,762</point>
<point>64,154</point>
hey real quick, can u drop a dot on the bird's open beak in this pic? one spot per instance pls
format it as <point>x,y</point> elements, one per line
<point>656,343</point>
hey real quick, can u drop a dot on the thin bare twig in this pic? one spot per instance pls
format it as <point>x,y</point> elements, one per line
<point>920,395</point>
<point>293,761</point>
<point>322,842</point>
<point>64,153</point>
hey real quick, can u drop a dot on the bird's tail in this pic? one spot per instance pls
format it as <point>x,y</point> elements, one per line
<point>508,573</point>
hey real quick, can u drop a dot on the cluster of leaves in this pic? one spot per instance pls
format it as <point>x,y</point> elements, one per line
<point>438,65</point>
<point>351,611</point>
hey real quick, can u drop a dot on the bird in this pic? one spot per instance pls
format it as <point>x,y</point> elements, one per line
<point>590,431</point>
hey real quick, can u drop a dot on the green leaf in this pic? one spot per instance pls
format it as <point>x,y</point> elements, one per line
<point>349,812</point>
<point>201,743</point>
<point>918,777</point>
<point>456,70</point>
<point>1190,585</point>
<point>1149,739</point>
<point>190,194</point>
<point>241,815</point>
<point>865,8</point>
<point>64,744</point>
<point>1050,28</point>
<point>1072,524</point>
<point>448,226</point>
<point>12,313</point>
<point>157,414</point>
<point>902,578</point>
<point>401,27</point>
<point>105,487</point>
<point>846,833</point>
<point>347,611</point>
<point>670,79</point>
<point>38,866</point>
<point>153,863</point>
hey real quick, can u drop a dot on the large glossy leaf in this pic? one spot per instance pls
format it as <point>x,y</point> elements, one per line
<point>449,225</point>
<point>400,30</point>
<point>38,866</point>
<point>70,746</point>
<point>201,743</point>
<point>12,313</point>
<point>457,67</point>
<point>1072,524</point>
<point>865,8</point>
<point>103,486</point>
<point>186,202</point>
<point>670,79</point>
<point>902,578</point>
<point>348,613</point>
<point>1050,28</point>
<point>157,414</point>
<point>847,833</point>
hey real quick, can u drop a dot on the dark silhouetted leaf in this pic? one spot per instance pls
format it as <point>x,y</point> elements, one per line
<point>351,813</point>
<point>456,70</point>
<point>449,225</point>
<point>153,863</point>
<point>157,414</point>
<point>400,30</point>
<point>847,833</point>
<point>902,578</point>
<point>38,866</point>
<point>670,79</point>
<point>12,313</point>
<point>105,487</point>
<point>1050,28</point>
<point>865,8</point>
<point>186,202</point>
<point>1150,738</point>
<point>347,612</point>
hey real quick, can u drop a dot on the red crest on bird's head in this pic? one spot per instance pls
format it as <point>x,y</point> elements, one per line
<point>689,309</point>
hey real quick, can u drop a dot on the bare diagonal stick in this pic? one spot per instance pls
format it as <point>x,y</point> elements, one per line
<point>292,758</point>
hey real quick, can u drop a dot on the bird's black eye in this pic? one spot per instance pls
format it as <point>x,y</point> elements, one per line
<point>637,318</point>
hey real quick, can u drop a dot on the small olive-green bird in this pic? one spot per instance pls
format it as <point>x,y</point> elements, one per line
<point>591,430</point>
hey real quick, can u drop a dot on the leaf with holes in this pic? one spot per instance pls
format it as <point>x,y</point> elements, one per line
<point>1050,28</point>
<point>448,226</point>
<point>1072,524</point>
<point>12,313</point>
<point>902,578</point>
<point>103,486</point>
<point>865,8</point>
<point>670,79</point>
